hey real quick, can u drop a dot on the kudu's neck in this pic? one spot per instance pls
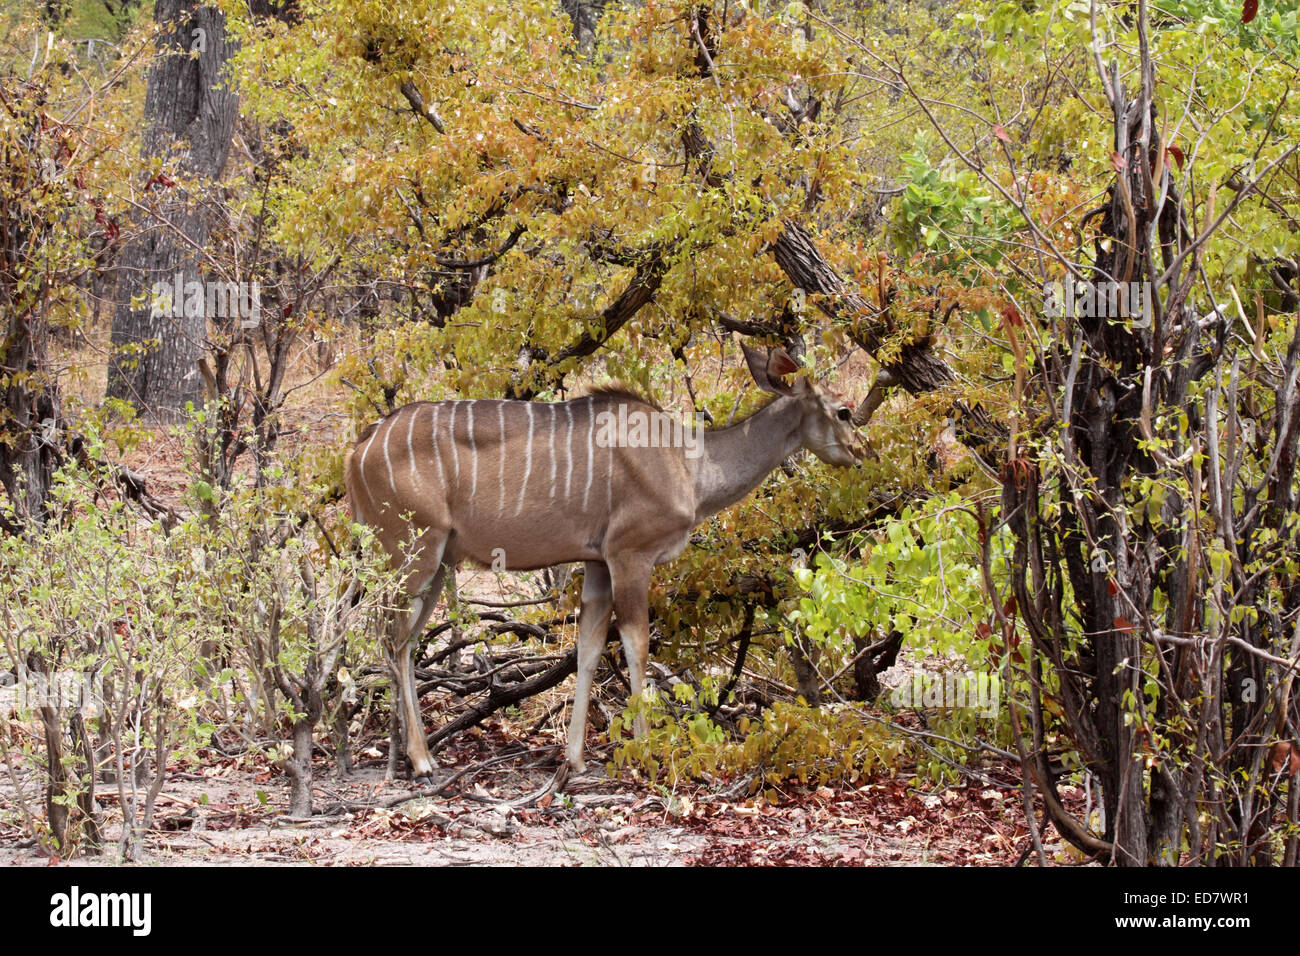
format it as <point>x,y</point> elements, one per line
<point>736,459</point>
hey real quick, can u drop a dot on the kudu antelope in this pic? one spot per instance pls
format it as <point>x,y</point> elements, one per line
<point>532,483</point>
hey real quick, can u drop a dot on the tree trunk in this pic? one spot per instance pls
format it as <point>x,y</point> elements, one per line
<point>804,655</point>
<point>584,14</point>
<point>190,113</point>
<point>298,767</point>
<point>869,665</point>
<point>29,443</point>
<point>30,425</point>
<point>343,743</point>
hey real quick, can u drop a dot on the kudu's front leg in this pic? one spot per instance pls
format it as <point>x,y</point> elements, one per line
<point>593,623</point>
<point>632,612</point>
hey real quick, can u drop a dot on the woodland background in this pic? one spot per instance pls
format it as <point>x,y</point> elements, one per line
<point>523,199</point>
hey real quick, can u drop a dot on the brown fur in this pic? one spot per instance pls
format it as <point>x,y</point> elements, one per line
<point>618,392</point>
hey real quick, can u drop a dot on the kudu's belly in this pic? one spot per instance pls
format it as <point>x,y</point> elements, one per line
<point>524,542</point>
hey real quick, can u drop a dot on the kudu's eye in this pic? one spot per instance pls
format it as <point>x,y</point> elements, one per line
<point>844,414</point>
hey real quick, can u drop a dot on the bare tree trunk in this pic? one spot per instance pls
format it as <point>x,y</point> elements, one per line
<point>804,655</point>
<point>343,743</point>
<point>84,750</point>
<point>29,447</point>
<point>584,14</point>
<point>29,394</point>
<point>190,111</point>
<point>298,767</point>
<point>870,663</point>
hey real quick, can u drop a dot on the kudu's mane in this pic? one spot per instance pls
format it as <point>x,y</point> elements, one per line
<point>618,392</point>
<point>614,392</point>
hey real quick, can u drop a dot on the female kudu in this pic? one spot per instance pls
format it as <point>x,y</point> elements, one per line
<point>536,484</point>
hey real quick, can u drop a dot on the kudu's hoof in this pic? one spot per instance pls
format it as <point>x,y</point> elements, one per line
<point>421,772</point>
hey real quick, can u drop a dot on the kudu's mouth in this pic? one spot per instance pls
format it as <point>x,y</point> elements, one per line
<point>850,454</point>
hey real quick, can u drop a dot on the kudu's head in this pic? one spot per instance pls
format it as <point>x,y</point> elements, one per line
<point>828,427</point>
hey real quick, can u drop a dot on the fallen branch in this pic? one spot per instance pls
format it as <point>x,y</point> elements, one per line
<point>501,697</point>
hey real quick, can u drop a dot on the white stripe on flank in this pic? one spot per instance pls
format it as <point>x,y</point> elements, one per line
<point>528,460</point>
<point>410,452</point>
<point>473,454</point>
<point>388,431</point>
<point>591,449</point>
<point>501,475</point>
<point>568,443</point>
<point>551,443</point>
<point>455,453</point>
<point>609,482</point>
<point>433,435</point>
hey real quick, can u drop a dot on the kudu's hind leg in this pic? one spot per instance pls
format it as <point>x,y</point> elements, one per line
<point>632,614</point>
<point>426,586</point>
<point>593,623</point>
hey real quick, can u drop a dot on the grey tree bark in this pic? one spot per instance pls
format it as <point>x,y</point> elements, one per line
<point>584,14</point>
<point>190,111</point>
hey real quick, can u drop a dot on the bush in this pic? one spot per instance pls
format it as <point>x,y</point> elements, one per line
<point>129,642</point>
<point>788,741</point>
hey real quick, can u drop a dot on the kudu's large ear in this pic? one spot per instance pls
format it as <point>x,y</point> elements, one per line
<point>768,369</point>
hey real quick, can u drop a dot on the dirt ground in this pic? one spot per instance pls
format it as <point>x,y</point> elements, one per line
<point>233,811</point>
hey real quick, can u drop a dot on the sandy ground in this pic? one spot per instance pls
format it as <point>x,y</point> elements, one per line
<point>233,811</point>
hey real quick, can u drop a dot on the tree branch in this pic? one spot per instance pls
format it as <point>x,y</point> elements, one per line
<point>420,108</point>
